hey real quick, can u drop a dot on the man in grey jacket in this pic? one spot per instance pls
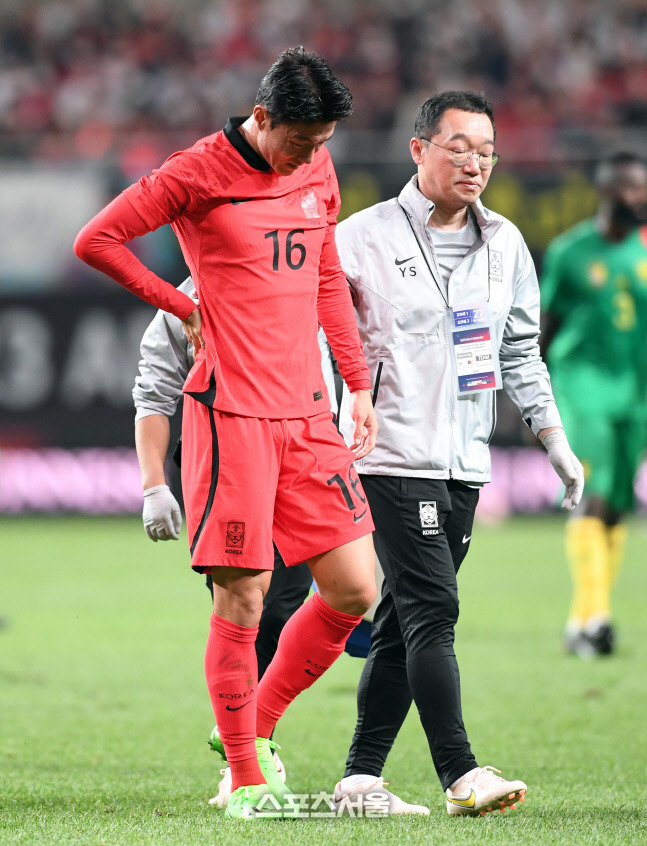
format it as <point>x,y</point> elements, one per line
<point>448,308</point>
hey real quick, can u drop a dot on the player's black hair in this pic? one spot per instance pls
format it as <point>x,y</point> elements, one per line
<point>301,88</point>
<point>605,171</point>
<point>432,110</point>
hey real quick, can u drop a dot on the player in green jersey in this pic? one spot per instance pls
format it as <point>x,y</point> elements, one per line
<point>594,298</point>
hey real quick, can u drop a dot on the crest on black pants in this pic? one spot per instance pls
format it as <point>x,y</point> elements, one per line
<point>428,514</point>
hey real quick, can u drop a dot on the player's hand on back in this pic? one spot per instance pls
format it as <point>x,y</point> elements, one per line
<point>162,516</point>
<point>363,415</point>
<point>193,329</point>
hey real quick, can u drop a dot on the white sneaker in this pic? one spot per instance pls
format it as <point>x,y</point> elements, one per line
<point>481,791</point>
<point>576,642</point>
<point>364,795</point>
<point>224,788</point>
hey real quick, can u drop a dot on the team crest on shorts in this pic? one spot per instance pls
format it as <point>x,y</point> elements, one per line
<point>235,537</point>
<point>428,512</point>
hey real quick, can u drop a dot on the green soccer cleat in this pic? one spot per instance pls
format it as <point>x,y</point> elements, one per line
<point>253,801</point>
<point>265,752</point>
<point>216,743</point>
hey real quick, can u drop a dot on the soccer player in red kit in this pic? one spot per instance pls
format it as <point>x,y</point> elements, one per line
<point>254,209</point>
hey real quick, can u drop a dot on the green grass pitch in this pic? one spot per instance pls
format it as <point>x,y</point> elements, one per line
<point>104,713</point>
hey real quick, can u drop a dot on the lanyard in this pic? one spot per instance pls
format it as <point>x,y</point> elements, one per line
<point>494,262</point>
<point>424,254</point>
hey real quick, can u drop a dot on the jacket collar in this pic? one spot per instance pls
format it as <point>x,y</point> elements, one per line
<point>420,208</point>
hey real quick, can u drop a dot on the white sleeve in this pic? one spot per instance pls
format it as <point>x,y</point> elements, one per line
<point>525,377</point>
<point>166,360</point>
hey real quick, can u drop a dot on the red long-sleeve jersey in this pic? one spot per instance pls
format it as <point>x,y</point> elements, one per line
<point>261,251</point>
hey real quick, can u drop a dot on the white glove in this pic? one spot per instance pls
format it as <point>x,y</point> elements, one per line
<point>567,466</point>
<point>162,516</point>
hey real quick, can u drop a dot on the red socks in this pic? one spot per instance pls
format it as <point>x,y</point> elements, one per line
<point>312,639</point>
<point>232,678</point>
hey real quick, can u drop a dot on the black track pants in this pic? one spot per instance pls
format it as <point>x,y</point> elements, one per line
<point>423,528</point>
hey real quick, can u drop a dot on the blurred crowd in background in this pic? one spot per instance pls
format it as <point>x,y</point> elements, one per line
<point>130,79</point>
<point>95,93</point>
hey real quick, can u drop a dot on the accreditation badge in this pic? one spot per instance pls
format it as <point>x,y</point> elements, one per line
<point>477,366</point>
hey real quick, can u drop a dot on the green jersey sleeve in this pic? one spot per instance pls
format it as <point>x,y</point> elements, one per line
<point>552,278</point>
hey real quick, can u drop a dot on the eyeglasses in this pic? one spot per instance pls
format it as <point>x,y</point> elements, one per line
<point>461,157</point>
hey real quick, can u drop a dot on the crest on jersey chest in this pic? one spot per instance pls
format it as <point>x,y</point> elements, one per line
<point>309,203</point>
<point>598,274</point>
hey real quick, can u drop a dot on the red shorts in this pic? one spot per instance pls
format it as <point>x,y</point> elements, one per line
<point>247,481</point>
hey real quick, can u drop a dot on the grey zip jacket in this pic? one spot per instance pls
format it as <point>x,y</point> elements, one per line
<point>166,360</point>
<point>426,429</point>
